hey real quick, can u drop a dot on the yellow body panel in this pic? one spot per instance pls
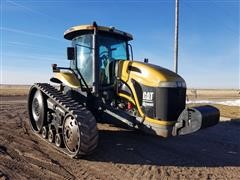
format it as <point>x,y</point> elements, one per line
<point>123,70</point>
<point>127,97</point>
<point>149,76</point>
<point>68,78</point>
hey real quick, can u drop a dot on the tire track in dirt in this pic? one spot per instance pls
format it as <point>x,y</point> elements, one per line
<point>83,171</point>
<point>29,143</point>
<point>45,164</point>
<point>17,154</point>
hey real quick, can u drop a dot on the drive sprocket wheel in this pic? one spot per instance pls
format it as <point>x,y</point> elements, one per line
<point>71,134</point>
<point>80,134</point>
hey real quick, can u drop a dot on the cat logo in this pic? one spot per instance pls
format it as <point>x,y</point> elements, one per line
<point>148,96</point>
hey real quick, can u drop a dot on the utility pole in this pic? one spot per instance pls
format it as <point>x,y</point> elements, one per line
<point>176,37</point>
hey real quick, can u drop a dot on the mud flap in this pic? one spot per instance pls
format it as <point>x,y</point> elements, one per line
<point>196,118</point>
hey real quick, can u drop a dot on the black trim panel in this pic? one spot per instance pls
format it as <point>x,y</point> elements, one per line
<point>133,68</point>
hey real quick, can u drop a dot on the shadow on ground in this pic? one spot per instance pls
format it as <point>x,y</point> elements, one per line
<point>212,147</point>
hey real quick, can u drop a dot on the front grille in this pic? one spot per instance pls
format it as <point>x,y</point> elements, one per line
<point>170,102</point>
<point>167,102</point>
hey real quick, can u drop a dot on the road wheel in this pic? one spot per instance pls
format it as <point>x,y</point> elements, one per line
<point>51,136</point>
<point>45,132</point>
<point>58,140</point>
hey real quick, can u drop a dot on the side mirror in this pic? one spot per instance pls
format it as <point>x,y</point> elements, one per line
<point>55,68</point>
<point>145,60</point>
<point>71,53</point>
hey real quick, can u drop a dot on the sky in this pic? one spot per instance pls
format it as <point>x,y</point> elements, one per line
<point>209,39</point>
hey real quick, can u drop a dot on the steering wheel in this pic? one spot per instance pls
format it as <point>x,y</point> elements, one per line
<point>104,52</point>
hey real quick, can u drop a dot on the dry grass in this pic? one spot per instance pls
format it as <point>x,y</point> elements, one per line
<point>14,90</point>
<point>213,93</point>
<point>232,112</point>
<point>229,111</point>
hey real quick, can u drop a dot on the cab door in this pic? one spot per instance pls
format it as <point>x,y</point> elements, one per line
<point>84,57</point>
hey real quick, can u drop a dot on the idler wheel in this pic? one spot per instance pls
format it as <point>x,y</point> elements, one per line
<point>37,109</point>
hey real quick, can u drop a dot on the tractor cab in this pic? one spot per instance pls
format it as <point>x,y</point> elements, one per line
<point>94,53</point>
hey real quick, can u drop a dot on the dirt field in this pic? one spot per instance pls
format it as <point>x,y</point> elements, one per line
<point>212,153</point>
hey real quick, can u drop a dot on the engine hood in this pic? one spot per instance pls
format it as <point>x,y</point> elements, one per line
<point>149,74</point>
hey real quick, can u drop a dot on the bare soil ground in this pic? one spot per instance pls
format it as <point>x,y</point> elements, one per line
<point>212,153</point>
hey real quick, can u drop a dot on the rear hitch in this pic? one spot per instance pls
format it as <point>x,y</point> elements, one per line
<point>196,118</point>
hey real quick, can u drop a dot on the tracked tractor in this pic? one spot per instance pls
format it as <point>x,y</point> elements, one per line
<point>104,80</point>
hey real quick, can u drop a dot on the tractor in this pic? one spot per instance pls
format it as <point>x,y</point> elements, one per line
<point>103,79</point>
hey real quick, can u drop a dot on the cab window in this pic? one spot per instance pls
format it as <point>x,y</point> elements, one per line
<point>84,57</point>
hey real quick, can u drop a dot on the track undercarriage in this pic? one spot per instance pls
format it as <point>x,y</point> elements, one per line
<point>61,120</point>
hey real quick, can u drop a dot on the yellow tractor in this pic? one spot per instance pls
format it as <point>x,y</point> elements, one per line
<point>104,80</point>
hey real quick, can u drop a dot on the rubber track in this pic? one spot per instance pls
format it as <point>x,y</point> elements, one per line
<point>86,120</point>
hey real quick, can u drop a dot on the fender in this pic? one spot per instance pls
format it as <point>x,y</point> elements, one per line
<point>68,79</point>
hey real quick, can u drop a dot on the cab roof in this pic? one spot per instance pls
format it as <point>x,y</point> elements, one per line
<point>87,29</point>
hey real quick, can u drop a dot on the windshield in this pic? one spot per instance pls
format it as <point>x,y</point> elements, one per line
<point>110,50</point>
